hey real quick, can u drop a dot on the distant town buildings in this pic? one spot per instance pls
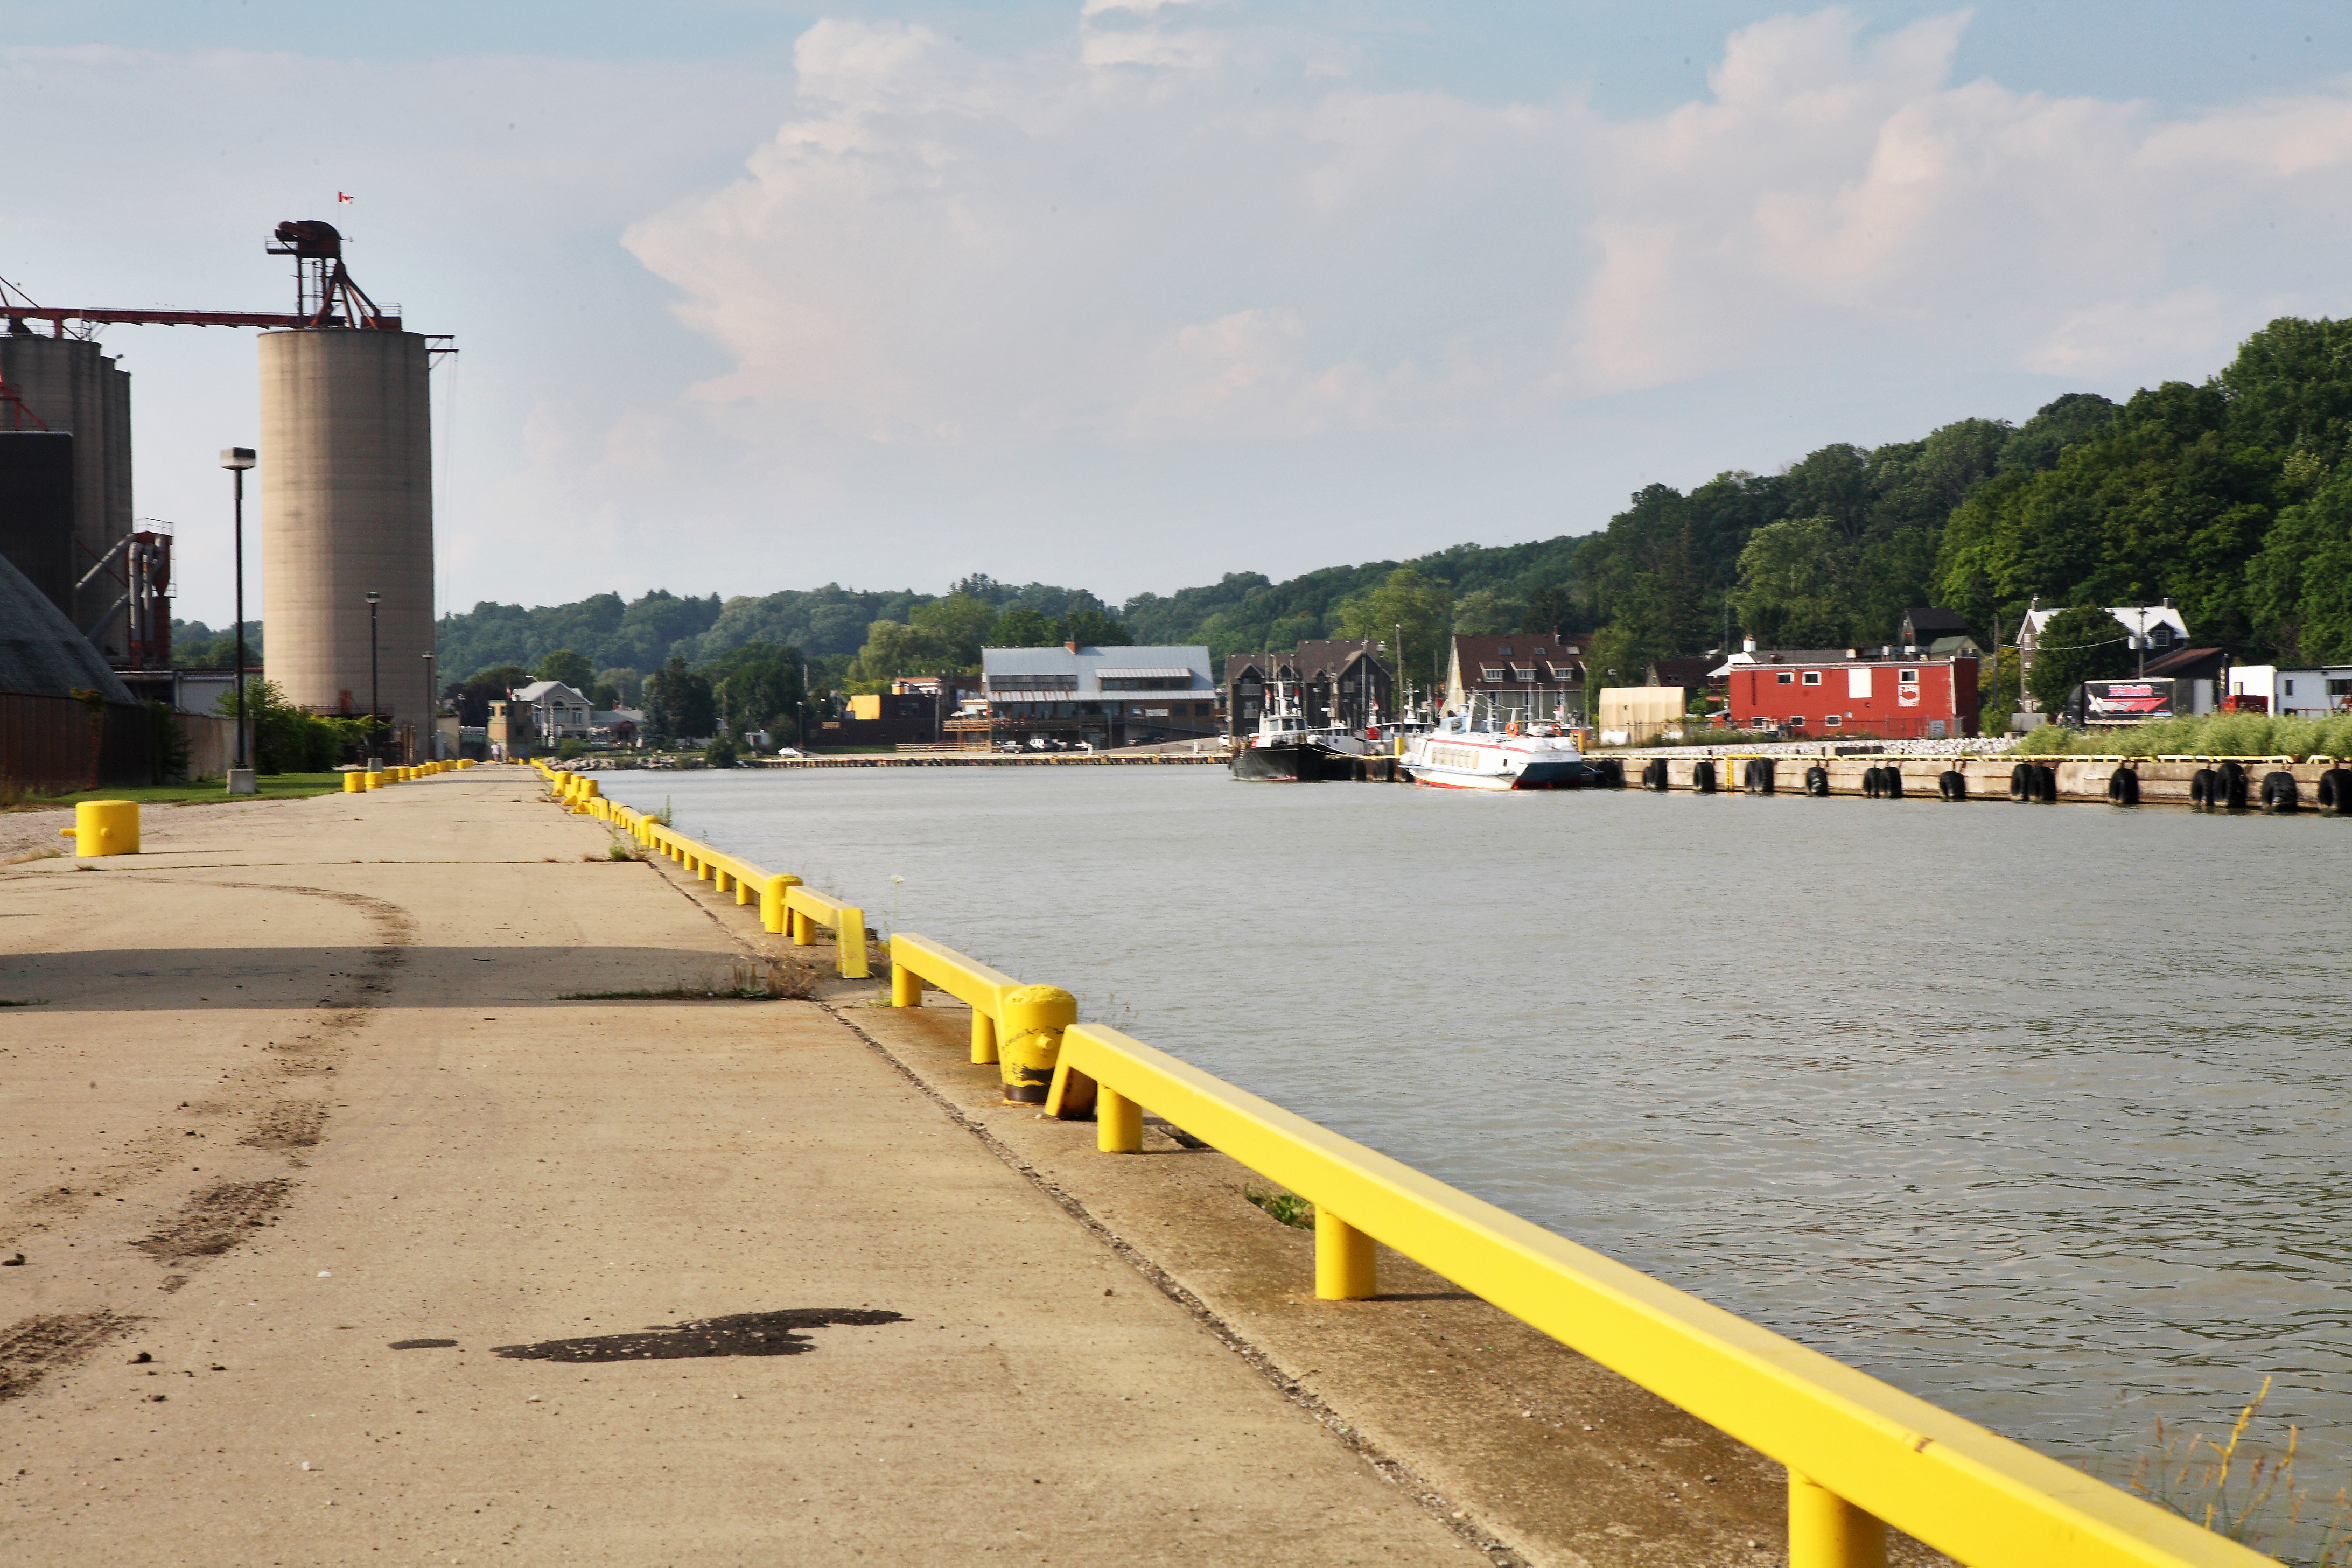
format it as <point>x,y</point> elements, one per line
<point>1097,695</point>
<point>1526,675</point>
<point>1337,682</point>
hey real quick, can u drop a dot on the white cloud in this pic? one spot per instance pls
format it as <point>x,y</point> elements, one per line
<point>1169,230</point>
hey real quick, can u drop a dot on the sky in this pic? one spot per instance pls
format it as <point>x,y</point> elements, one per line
<point>1129,294</point>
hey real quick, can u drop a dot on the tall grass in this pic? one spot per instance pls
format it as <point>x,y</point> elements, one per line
<point>2211,735</point>
<point>2243,1488</point>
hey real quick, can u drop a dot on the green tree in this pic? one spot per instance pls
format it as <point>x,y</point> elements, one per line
<point>472,697</point>
<point>1092,629</point>
<point>1024,628</point>
<point>720,753</point>
<point>1795,583</point>
<point>2085,643</point>
<point>960,621</point>
<point>571,668</point>
<point>603,697</point>
<point>1420,607</point>
<point>678,703</point>
<point>893,648</point>
<point>1482,613</point>
<point>1550,609</point>
<point>628,685</point>
<point>2299,585</point>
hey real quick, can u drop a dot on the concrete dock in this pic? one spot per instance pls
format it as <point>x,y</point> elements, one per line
<point>390,1188</point>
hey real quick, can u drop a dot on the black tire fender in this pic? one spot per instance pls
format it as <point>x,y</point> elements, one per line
<point>2279,793</point>
<point>1817,780</point>
<point>1890,782</point>
<point>2335,791</point>
<point>2020,782</point>
<point>2045,782</point>
<point>2232,791</point>
<point>1703,776</point>
<point>1952,784</point>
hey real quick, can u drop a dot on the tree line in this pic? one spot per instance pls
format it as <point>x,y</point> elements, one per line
<point>2230,496</point>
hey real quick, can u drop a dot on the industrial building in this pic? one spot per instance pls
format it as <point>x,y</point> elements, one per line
<point>345,523</point>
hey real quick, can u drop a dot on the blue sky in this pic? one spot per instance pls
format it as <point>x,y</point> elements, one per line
<point>1131,295</point>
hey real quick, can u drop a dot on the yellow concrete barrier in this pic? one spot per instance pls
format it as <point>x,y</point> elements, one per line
<point>809,909</point>
<point>354,783</point>
<point>585,798</point>
<point>1862,1455</point>
<point>374,780</point>
<point>104,827</point>
<point>915,959</point>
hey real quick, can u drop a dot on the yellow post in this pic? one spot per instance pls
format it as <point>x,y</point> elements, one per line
<point>1344,1260</point>
<point>849,944</point>
<point>374,780</point>
<point>1118,1124</point>
<point>803,930</point>
<point>584,799</point>
<point>104,827</point>
<point>1827,1531</point>
<point>771,903</point>
<point>983,1038</point>
<point>906,990</point>
<point>1029,1023</point>
<point>354,783</point>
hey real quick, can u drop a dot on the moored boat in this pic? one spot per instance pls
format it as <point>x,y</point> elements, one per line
<point>1462,754</point>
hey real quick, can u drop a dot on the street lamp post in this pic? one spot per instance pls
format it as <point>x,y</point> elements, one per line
<point>375,690</point>
<point>236,459</point>
<point>432,708</point>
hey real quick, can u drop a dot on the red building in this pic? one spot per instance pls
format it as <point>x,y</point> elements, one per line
<point>1822,693</point>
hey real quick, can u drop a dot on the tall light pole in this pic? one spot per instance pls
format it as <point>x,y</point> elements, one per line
<point>376,698</point>
<point>432,707</point>
<point>236,459</point>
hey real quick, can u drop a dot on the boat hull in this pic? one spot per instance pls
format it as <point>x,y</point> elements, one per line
<point>1536,776</point>
<point>1286,763</point>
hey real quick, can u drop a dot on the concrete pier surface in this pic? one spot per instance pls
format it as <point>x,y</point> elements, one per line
<point>389,1188</point>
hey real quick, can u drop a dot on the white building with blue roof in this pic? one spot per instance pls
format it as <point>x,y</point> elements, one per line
<point>1103,696</point>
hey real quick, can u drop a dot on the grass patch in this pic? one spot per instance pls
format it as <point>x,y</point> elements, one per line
<point>1288,1207</point>
<point>2210,735</point>
<point>620,849</point>
<point>270,786</point>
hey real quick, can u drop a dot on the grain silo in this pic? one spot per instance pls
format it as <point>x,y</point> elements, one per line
<point>346,476</point>
<point>68,385</point>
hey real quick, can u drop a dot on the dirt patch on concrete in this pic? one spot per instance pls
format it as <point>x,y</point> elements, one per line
<point>216,1219</point>
<point>32,1348</point>
<point>290,1124</point>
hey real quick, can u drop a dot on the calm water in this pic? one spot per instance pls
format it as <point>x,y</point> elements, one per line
<point>2038,1112</point>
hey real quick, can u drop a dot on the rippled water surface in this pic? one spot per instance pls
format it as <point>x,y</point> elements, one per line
<point>2036,1112</point>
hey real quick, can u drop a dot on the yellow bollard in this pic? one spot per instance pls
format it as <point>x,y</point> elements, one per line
<point>1118,1124</point>
<point>374,780</point>
<point>1827,1531</point>
<point>354,782</point>
<point>104,827</point>
<point>1344,1260</point>
<point>584,799</point>
<point>1030,1024</point>
<point>771,903</point>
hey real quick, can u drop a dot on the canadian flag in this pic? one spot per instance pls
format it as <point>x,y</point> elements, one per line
<point>344,198</point>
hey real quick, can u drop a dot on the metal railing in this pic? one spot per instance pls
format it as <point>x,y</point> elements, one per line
<point>1861,1455</point>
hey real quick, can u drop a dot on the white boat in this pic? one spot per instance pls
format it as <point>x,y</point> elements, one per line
<point>1461,753</point>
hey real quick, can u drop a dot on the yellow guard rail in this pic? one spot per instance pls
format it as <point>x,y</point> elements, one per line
<point>915,959</point>
<point>1859,1452</point>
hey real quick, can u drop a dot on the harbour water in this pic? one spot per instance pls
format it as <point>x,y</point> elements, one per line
<point>2039,1112</point>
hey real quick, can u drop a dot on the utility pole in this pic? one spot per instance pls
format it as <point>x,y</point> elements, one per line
<point>432,707</point>
<point>375,689</point>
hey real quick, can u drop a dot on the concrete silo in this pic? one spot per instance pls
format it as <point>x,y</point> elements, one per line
<point>72,387</point>
<point>347,498</point>
<point>347,511</point>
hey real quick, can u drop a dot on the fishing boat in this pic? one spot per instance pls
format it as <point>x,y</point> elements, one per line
<point>1463,752</point>
<point>1286,749</point>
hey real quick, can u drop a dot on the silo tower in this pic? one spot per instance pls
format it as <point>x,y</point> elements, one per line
<point>346,495</point>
